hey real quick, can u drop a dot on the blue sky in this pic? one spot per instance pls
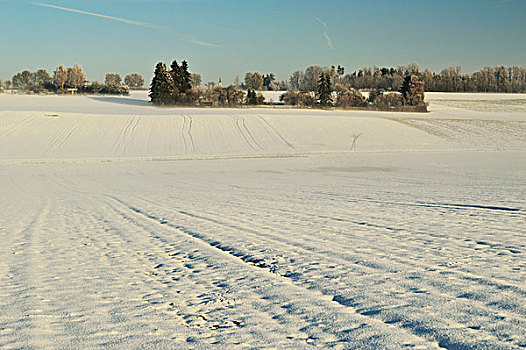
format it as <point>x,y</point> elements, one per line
<point>227,37</point>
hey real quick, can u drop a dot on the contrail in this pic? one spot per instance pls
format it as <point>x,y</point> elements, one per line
<point>329,40</point>
<point>128,21</point>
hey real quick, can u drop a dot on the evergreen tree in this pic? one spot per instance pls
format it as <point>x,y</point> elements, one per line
<point>186,78</point>
<point>324,90</point>
<point>163,87</point>
<point>249,97</point>
<point>176,74</point>
<point>253,99</point>
<point>181,78</point>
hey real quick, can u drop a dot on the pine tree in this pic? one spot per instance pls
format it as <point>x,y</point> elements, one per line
<point>176,74</point>
<point>253,98</point>
<point>185,78</point>
<point>249,97</point>
<point>324,90</point>
<point>182,79</point>
<point>162,87</point>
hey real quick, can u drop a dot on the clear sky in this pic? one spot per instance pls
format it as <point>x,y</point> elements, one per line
<point>228,37</point>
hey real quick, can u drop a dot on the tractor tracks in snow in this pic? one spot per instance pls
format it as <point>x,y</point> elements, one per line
<point>331,303</point>
<point>17,126</point>
<point>63,136</point>
<point>247,137</point>
<point>273,130</point>
<point>186,134</point>
<point>126,137</point>
<point>375,267</point>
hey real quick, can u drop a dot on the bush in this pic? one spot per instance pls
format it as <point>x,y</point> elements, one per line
<point>100,88</point>
<point>298,98</point>
<point>253,98</point>
<point>394,101</point>
<point>122,89</point>
<point>191,97</point>
<point>388,100</point>
<point>291,97</point>
<point>222,97</point>
<point>307,99</point>
<point>346,98</point>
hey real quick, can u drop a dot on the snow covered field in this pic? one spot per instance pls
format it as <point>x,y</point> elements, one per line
<point>126,226</point>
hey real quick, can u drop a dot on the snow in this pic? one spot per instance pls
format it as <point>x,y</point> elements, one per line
<point>129,226</point>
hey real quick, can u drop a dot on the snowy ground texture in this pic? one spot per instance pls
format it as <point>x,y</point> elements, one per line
<point>124,226</point>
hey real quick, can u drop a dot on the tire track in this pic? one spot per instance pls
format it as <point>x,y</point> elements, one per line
<point>311,245</point>
<point>188,132</point>
<point>373,307</point>
<point>28,278</point>
<point>64,135</point>
<point>18,126</point>
<point>131,133</point>
<point>387,234</point>
<point>126,136</point>
<point>188,142</point>
<point>275,131</point>
<point>247,259</point>
<point>246,135</point>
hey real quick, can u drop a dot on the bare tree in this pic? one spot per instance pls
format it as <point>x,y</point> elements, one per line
<point>42,78</point>
<point>355,138</point>
<point>60,77</point>
<point>295,79</point>
<point>75,76</point>
<point>113,79</point>
<point>237,81</point>
<point>311,77</point>
<point>195,80</point>
<point>23,80</point>
<point>254,81</point>
<point>134,80</point>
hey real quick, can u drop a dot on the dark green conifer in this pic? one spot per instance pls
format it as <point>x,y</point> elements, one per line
<point>185,78</point>
<point>324,90</point>
<point>162,87</point>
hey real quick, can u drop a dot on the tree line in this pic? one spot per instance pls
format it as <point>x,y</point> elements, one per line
<point>500,79</point>
<point>410,96</point>
<point>74,77</point>
<point>175,86</point>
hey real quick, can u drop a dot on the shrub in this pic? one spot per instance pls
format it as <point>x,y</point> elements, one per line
<point>346,98</point>
<point>191,97</point>
<point>291,97</point>
<point>298,98</point>
<point>100,88</point>
<point>389,100</point>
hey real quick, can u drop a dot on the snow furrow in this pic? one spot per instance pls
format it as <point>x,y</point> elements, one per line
<point>314,298</point>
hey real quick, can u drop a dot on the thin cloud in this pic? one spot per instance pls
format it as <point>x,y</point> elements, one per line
<point>128,21</point>
<point>325,34</point>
